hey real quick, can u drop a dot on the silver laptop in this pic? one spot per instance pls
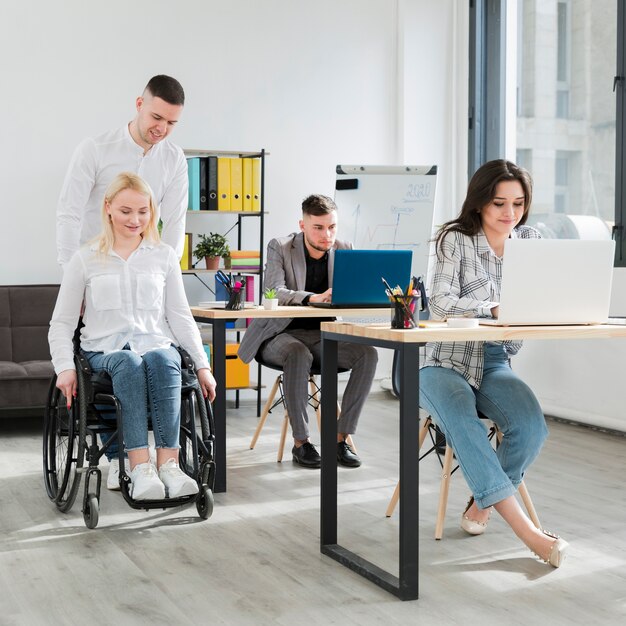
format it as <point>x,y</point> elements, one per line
<point>555,281</point>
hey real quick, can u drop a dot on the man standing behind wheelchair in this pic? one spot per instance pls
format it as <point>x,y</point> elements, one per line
<point>135,312</point>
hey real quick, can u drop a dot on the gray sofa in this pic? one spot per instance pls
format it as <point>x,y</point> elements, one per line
<point>25,366</point>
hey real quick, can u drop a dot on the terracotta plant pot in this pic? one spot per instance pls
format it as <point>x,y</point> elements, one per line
<point>212,263</point>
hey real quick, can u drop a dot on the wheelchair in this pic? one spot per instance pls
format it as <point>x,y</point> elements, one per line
<point>70,442</point>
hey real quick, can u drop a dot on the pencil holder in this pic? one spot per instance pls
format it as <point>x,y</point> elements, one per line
<point>236,301</point>
<point>404,310</point>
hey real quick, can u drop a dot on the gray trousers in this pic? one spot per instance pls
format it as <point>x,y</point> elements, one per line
<point>296,351</point>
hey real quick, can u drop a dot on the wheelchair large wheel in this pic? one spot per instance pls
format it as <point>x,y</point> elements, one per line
<point>63,446</point>
<point>193,413</point>
<point>187,440</point>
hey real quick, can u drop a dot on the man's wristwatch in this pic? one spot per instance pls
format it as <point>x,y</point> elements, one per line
<point>305,300</point>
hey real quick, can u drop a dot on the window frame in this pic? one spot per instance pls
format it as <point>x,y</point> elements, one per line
<point>487,85</point>
<point>620,137</point>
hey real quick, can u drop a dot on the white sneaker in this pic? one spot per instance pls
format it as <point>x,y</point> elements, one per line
<point>145,484</point>
<point>113,479</point>
<point>176,482</point>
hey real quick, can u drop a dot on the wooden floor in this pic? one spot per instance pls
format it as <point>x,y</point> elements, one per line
<point>257,560</point>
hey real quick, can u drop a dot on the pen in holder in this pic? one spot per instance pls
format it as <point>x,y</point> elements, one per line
<point>235,301</point>
<point>403,311</point>
<point>237,296</point>
<point>403,305</point>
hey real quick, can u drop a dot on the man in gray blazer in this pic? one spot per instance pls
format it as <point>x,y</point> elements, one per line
<point>300,268</point>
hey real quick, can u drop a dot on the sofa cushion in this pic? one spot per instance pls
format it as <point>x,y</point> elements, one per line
<point>30,343</point>
<point>28,369</point>
<point>31,308</point>
<point>25,366</point>
<point>23,393</point>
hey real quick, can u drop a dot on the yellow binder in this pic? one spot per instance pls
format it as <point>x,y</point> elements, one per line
<point>185,260</point>
<point>256,185</point>
<point>236,185</point>
<point>247,184</point>
<point>223,184</point>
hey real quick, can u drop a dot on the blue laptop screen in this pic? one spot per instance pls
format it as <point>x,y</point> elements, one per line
<point>357,275</point>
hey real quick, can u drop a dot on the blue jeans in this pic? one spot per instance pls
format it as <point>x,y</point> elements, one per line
<point>145,385</point>
<point>506,400</point>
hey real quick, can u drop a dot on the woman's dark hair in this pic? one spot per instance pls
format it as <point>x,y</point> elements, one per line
<point>481,191</point>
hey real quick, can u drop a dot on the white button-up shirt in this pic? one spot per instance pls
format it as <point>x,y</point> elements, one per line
<point>95,163</point>
<point>140,302</point>
<point>466,279</point>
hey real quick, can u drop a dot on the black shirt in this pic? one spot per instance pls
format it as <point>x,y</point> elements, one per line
<point>316,282</point>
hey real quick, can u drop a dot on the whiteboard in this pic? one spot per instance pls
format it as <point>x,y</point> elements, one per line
<point>388,207</point>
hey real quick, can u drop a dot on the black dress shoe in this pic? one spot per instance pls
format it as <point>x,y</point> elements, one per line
<point>307,456</point>
<point>346,455</point>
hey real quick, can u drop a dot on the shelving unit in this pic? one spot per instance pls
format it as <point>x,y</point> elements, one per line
<point>240,215</point>
<point>241,220</point>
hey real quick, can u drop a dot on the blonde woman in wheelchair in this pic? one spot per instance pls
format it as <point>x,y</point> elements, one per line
<point>135,312</point>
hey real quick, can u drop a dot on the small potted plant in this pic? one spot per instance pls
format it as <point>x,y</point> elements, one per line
<point>270,299</point>
<point>211,247</point>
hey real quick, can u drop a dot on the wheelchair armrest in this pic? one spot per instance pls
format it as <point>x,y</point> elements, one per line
<point>82,363</point>
<point>185,359</point>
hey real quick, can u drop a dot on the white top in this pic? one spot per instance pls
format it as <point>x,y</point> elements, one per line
<point>140,301</point>
<point>95,164</point>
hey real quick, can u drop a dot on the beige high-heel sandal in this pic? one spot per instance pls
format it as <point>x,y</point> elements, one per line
<point>472,526</point>
<point>556,556</point>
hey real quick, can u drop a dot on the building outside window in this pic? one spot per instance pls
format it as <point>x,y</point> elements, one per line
<point>565,123</point>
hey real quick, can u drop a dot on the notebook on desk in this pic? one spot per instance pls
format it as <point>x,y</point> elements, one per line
<point>357,277</point>
<point>555,281</point>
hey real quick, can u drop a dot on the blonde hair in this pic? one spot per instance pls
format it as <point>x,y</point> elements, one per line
<point>126,180</point>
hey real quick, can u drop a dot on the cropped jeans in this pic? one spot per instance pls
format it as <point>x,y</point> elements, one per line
<point>145,385</point>
<point>505,399</point>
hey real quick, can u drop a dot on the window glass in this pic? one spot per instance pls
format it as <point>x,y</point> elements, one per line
<point>565,128</point>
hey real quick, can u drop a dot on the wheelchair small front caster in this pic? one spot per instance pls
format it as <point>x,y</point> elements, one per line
<point>205,502</point>
<point>91,512</point>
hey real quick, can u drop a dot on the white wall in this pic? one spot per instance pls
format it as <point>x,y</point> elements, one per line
<point>312,82</point>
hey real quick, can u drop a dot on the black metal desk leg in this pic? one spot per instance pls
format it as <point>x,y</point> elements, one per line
<point>328,512</point>
<point>219,405</point>
<point>409,468</point>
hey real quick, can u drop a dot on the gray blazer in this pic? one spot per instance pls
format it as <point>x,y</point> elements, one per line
<point>285,271</point>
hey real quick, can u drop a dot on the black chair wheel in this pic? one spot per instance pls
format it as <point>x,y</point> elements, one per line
<point>92,511</point>
<point>205,502</point>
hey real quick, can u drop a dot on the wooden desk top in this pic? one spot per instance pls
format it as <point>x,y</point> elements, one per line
<point>439,331</point>
<point>285,311</point>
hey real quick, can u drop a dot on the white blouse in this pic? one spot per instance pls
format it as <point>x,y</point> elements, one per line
<point>140,302</point>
